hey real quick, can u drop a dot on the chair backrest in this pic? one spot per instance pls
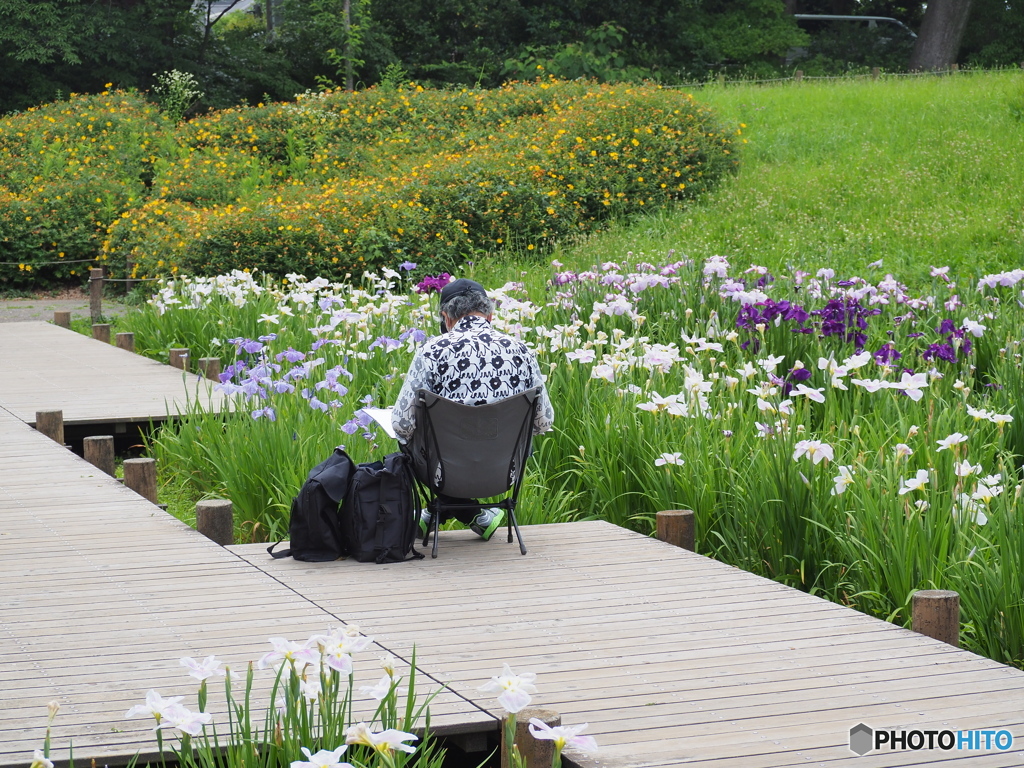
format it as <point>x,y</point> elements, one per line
<point>472,451</point>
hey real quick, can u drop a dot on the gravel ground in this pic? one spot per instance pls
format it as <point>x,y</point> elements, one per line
<point>42,307</point>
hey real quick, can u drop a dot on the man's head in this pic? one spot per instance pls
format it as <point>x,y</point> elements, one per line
<point>463,297</point>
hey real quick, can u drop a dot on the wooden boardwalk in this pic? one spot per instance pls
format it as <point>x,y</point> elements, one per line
<point>672,658</point>
<point>101,594</point>
<point>44,367</point>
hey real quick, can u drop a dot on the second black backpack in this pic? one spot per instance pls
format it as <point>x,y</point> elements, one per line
<point>314,529</point>
<point>379,519</point>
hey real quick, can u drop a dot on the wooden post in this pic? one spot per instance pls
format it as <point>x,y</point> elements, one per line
<point>101,332</point>
<point>99,451</point>
<point>96,294</point>
<point>536,753</point>
<point>875,72</point>
<point>210,367</point>
<point>179,358</point>
<point>215,520</point>
<point>721,79</point>
<point>126,341</point>
<point>955,67</point>
<point>799,75</point>
<point>140,476</point>
<point>936,613</point>
<point>62,318</point>
<point>51,424</point>
<point>675,526</point>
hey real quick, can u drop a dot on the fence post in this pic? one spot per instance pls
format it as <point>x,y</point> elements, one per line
<point>936,613</point>
<point>215,520</point>
<point>210,367</point>
<point>62,318</point>
<point>126,341</point>
<point>676,527</point>
<point>101,332</point>
<point>875,72</point>
<point>799,75</point>
<point>51,424</point>
<point>536,753</point>
<point>140,476</point>
<point>99,451</point>
<point>178,358</point>
<point>96,294</point>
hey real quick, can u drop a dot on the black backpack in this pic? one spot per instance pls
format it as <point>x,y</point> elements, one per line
<point>379,519</point>
<point>314,529</point>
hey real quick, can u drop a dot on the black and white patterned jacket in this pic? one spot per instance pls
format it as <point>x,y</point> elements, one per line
<point>472,363</point>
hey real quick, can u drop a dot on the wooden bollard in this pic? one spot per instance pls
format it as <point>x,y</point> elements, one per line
<point>676,527</point>
<point>536,753</point>
<point>140,476</point>
<point>96,294</point>
<point>215,520</point>
<point>178,358</point>
<point>51,424</point>
<point>936,613</point>
<point>799,75</point>
<point>62,318</point>
<point>101,332</point>
<point>126,341</point>
<point>210,367</point>
<point>99,451</point>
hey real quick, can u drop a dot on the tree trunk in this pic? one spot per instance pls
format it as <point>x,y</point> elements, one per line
<point>941,32</point>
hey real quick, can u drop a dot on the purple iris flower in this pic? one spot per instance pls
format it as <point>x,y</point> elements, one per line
<point>887,354</point>
<point>282,387</point>
<point>947,326</point>
<point>268,337</point>
<point>252,347</point>
<point>267,412</point>
<point>317,405</point>
<point>387,343</point>
<point>350,427</point>
<point>291,355</point>
<point>408,266</point>
<point>433,284</point>
<point>798,374</point>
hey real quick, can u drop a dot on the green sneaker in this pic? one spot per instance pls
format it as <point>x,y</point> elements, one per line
<point>487,522</point>
<point>425,520</point>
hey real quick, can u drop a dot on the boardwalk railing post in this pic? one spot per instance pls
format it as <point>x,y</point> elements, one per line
<point>126,341</point>
<point>536,753</point>
<point>101,332</point>
<point>62,318</point>
<point>210,367</point>
<point>215,520</point>
<point>676,526</point>
<point>936,613</point>
<point>178,358</point>
<point>99,451</point>
<point>51,424</point>
<point>96,294</point>
<point>140,476</point>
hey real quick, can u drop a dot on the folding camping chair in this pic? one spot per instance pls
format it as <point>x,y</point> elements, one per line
<point>472,452</point>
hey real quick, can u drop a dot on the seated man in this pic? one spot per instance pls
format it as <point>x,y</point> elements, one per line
<point>470,362</point>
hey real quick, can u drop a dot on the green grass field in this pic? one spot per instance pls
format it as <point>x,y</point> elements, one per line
<point>915,171</point>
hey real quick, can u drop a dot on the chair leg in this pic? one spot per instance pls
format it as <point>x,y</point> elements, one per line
<point>514,522</point>
<point>435,524</point>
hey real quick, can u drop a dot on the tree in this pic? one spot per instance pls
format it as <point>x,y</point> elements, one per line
<point>942,30</point>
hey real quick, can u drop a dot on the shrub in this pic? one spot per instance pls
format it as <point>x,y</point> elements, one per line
<point>341,181</point>
<point>69,169</point>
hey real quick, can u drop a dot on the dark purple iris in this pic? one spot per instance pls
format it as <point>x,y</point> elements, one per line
<point>887,354</point>
<point>433,284</point>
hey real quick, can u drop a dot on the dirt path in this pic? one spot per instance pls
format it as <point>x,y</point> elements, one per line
<point>43,307</point>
